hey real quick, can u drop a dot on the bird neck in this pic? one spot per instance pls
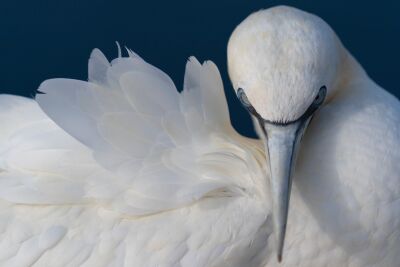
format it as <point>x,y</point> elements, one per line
<point>349,72</point>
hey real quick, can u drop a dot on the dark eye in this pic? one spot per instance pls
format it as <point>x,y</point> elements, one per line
<point>320,96</point>
<point>243,98</point>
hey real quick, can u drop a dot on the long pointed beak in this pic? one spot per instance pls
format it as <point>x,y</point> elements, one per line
<point>281,145</point>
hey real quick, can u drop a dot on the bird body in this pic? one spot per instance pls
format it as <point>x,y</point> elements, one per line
<point>123,170</point>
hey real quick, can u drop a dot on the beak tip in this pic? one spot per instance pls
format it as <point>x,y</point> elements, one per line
<point>279,251</point>
<point>280,258</point>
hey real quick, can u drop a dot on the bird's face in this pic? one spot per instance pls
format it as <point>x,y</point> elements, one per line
<point>282,63</point>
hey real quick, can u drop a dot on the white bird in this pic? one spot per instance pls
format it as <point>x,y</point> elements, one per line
<point>123,170</point>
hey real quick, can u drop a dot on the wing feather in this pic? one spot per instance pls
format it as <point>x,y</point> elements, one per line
<point>213,101</point>
<point>158,149</point>
<point>98,65</point>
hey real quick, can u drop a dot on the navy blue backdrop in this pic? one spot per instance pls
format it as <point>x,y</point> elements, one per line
<point>47,39</point>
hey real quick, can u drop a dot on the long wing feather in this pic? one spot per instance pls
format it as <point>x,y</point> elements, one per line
<point>122,162</point>
<point>166,149</point>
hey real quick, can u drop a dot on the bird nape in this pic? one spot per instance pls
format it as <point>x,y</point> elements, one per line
<point>124,170</point>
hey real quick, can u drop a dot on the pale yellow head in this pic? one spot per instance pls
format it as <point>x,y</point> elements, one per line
<point>281,57</point>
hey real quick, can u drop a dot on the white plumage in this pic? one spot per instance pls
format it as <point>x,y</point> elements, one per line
<point>123,170</point>
<point>162,181</point>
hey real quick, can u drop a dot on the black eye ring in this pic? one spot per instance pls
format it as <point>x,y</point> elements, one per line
<point>243,98</point>
<point>245,102</point>
<point>320,97</point>
<point>318,100</point>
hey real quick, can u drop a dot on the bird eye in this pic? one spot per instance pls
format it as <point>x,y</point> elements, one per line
<point>320,96</point>
<point>243,98</point>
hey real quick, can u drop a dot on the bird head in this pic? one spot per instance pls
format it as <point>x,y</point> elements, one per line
<point>283,65</point>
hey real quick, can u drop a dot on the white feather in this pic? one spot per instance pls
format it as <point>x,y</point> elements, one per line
<point>105,171</point>
<point>123,140</point>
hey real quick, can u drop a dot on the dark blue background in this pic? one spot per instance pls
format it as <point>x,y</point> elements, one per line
<point>47,39</point>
